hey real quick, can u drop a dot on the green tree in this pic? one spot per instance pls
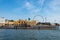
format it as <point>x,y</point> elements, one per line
<point>29,19</point>
<point>11,20</point>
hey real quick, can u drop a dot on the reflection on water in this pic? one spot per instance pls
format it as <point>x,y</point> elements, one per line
<point>25,34</point>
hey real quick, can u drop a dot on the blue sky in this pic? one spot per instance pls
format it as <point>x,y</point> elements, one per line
<point>23,9</point>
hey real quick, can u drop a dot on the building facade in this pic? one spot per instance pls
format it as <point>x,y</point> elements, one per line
<point>25,22</point>
<point>2,21</point>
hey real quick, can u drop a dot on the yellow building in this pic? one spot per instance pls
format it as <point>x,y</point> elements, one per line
<point>19,22</point>
<point>32,23</point>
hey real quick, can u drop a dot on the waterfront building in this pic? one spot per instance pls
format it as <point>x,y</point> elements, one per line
<point>25,22</point>
<point>9,23</point>
<point>2,21</point>
<point>32,22</point>
<point>43,23</point>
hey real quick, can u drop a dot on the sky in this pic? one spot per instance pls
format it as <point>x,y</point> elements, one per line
<point>34,9</point>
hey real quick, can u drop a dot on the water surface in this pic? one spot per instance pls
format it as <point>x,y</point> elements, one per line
<point>28,34</point>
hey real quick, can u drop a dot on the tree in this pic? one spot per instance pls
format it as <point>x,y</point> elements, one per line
<point>29,19</point>
<point>11,20</point>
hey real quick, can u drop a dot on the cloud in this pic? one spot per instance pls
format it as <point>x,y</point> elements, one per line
<point>53,11</point>
<point>31,7</point>
<point>48,8</point>
<point>41,2</point>
<point>27,4</point>
<point>30,10</point>
<point>55,6</point>
<point>33,11</point>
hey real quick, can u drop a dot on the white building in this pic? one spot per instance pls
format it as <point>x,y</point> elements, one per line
<point>2,21</point>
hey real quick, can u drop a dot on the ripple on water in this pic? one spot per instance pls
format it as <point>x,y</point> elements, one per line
<point>24,34</point>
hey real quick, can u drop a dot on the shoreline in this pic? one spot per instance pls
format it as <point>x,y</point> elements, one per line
<point>47,28</point>
<point>36,27</point>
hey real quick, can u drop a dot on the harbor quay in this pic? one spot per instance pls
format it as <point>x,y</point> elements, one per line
<point>26,24</point>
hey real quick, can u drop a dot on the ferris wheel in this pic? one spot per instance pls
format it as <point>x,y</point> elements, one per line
<point>38,18</point>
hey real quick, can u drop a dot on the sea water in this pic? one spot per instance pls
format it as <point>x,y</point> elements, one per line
<point>28,34</point>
